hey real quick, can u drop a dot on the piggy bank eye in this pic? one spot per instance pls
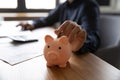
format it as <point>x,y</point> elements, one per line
<point>59,48</point>
<point>48,46</point>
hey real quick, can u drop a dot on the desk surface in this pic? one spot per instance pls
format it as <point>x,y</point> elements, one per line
<point>81,67</point>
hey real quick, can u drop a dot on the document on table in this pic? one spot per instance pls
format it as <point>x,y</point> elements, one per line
<point>20,52</point>
<point>16,52</point>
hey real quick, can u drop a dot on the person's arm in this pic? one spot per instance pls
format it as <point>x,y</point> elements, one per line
<point>90,22</point>
<point>41,22</point>
<point>49,20</point>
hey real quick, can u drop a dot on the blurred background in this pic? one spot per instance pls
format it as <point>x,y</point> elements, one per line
<point>109,21</point>
<point>29,9</point>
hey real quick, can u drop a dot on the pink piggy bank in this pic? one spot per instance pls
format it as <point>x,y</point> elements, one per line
<point>57,51</point>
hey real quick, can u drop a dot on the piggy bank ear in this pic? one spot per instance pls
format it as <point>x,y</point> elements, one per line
<point>48,38</point>
<point>64,40</point>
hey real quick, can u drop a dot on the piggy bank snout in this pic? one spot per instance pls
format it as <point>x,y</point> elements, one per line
<point>52,55</point>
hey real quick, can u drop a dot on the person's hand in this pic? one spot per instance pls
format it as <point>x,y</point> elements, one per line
<point>25,26</point>
<point>74,32</point>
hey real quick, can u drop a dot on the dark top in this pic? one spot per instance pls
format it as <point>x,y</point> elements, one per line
<point>85,13</point>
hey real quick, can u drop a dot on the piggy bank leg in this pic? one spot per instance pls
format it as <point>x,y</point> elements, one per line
<point>63,65</point>
<point>49,65</point>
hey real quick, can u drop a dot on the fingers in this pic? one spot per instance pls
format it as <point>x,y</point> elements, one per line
<point>81,36</point>
<point>74,32</point>
<point>67,31</point>
<point>66,28</point>
<point>25,26</point>
<point>62,27</point>
<point>20,24</point>
<point>78,40</point>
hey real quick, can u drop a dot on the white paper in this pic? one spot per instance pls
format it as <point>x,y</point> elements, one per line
<point>17,53</point>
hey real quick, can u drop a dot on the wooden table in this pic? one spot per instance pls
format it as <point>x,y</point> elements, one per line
<point>81,67</point>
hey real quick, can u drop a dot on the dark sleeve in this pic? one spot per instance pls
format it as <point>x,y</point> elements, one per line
<point>52,18</point>
<point>90,22</point>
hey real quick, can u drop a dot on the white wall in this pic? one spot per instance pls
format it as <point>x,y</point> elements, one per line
<point>118,5</point>
<point>113,8</point>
